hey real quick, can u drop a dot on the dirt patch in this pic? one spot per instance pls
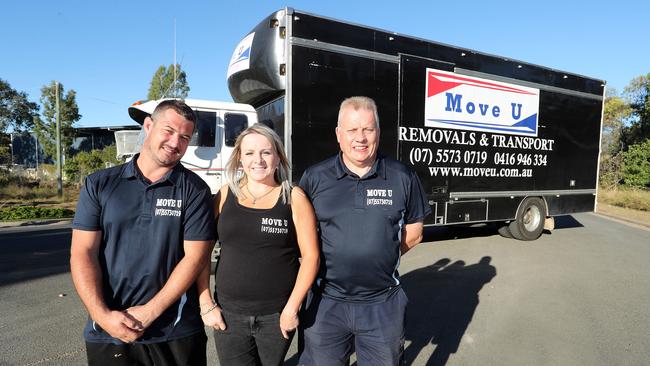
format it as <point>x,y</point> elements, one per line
<point>635,216</point>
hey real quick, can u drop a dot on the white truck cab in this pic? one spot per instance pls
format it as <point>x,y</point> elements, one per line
<point>217,126</point>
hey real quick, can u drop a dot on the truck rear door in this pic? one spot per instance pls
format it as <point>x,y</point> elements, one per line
<point>415,146</point>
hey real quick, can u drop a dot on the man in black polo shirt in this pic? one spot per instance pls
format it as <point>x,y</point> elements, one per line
<point>370,211</point>
<point>141,234</point>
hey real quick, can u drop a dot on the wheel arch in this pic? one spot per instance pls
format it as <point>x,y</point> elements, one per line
<point>524,198</point>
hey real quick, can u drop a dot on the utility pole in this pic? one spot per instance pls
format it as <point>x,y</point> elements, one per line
<point>11,136</point>
<point>36,151</point>
<point>174,84</point>
<point>59,163</point>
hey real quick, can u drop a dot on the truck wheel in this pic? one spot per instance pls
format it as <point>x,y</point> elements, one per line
<point>529,223</point>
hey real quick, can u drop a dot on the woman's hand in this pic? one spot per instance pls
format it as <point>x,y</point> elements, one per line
<point>212,317</point>
<point>288,322</point>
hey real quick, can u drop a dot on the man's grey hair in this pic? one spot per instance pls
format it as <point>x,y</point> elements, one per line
<point>356,103</point>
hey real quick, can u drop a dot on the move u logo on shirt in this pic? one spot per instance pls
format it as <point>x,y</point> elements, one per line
<point>168,207</point>
<point>379,197</point>
<point>274,226</point>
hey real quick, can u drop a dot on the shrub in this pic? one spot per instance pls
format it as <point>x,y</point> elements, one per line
<point>33,212</point>
<point>636,165</point>
<point>611,173</point>
<point>88,162</point>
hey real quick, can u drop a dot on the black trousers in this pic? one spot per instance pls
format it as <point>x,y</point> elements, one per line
<point>188,351</point>
<point>251,340</point>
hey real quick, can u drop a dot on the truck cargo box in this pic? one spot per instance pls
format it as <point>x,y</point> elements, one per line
<point>492,139</point>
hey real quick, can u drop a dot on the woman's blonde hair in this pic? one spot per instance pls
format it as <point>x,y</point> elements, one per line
<point>233,175</point>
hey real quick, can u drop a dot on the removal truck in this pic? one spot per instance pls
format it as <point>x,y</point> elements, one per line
<point>492,139</point>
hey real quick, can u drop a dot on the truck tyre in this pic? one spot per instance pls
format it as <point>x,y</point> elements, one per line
<point>529,223</point>
<point>504,231</point>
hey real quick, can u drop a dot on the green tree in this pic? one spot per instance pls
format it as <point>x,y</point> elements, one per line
<point>636,165</point>
<point>617,112</point>
<point>45,128</point>
<point>638,95</point>
<point>87,162</point>
<point>16,115</point>
<point>16,112</point>
<point>163,85</point>
<point>5,148</point>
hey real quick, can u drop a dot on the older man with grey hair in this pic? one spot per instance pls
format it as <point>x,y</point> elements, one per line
<point>370,211</point>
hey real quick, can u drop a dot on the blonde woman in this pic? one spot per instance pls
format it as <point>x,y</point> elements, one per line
<point>264,227</point>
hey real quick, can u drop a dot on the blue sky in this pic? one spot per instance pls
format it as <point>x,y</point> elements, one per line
<point>107,51</point>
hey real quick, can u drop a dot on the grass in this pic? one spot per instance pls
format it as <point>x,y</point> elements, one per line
<point>35,193</point>
<point>628,204</point>
<point>635,199</point>
<point>42,195</point>
<point>36,201</point>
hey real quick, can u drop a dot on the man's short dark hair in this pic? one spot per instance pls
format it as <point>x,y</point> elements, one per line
<point>177,106</point>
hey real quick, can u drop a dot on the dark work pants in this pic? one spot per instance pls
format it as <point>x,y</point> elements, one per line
<point>251,340</point>
<point>334,329</point>
<point>188,351</point>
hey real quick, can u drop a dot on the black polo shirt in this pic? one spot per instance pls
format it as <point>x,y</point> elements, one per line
<point>143,227</point>
<point>360,220</point>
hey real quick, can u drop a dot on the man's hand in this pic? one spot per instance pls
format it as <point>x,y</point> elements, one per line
<point>142,314</point>
<point>288,323</point>
<point>213,318</point>
<point>121,325</point>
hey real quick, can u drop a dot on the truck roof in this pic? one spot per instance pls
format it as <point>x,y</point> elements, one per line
<point>213,104</point>
<point>139,110</point>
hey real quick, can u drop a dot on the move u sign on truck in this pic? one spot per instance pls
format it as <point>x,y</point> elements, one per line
<point>469,103</point>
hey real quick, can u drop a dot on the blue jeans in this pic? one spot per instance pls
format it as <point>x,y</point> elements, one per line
<point>334,329</point>
<point>251,340</point>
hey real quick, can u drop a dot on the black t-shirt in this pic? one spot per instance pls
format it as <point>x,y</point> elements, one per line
<point>259,258</point>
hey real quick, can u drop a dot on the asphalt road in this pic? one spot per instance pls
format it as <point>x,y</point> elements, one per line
<point>576,296</point>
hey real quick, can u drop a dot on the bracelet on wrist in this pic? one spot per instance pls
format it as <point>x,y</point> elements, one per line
<point>209,310</point>
<point>211,303</point>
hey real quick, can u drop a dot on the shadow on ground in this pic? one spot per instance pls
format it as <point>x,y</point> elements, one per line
<point>442,300</point>
<point>566,222</point>
<point>461,231</point>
